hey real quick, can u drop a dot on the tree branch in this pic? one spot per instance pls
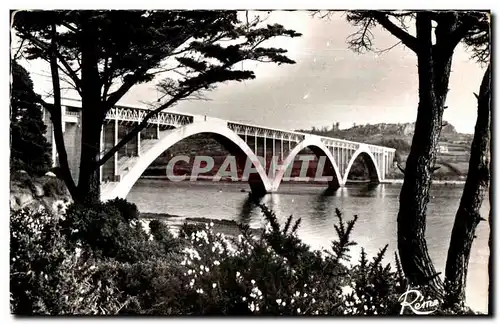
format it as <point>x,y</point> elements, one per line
<point>458,34</point>
<point>15,57</point>
<point>130,135</point>
<point>69,71</point>
<point>407,39</point>
<point>132,80</point>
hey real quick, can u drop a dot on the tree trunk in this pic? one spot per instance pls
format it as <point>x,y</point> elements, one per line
<point>92,116</point>
<point>55,116</point>
<point>433,71</point>
<point>468,217</point>
<point>490,223</point>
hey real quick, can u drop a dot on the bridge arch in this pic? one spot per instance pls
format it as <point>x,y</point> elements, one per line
<point>230,140</point>
<point>319,149</point>
<point>373,169</point>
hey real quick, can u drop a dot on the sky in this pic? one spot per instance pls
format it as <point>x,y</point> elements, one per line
<point>329,82</point>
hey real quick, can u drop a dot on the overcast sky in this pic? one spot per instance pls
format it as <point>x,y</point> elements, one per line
<point>329,83</point>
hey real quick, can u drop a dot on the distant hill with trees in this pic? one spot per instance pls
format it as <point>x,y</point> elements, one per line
<point>454,147</point>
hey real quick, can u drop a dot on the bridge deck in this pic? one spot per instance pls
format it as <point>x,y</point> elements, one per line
<point>136,114</point>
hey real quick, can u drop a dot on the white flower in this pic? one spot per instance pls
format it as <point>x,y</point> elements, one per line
<point>313,300</point>
<point>243,298</point>
<point>216,262</point>
<point>252,281</point>
<point>214,285</point>
<point>298,310</point>
<point>305,294</point>
<point>346,290</point>
<point>211,224</point>
<point>252,307</point>
<point>278,301</point>
<point>237,274</point>
<point>283,304</point>
<point>297,294</point>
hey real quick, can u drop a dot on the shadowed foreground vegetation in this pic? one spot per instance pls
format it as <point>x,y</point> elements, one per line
<point>70,259</point>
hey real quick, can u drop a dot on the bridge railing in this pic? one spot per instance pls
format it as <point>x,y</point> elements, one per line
<point>138,114</point>
<point>254,130</point>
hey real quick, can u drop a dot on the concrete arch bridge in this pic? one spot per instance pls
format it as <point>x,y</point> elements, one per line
<point>267,152</point>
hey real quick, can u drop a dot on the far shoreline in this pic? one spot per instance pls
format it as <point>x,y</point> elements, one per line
<point>203,178</point>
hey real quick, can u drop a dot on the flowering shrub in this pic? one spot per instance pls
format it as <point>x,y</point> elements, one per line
<point>277,274</point>
<point>48,278</point>
<point>104,260</point>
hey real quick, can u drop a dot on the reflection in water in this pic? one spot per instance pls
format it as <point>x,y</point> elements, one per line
<point>376,206</point>
<point>329,192</point>
<point>322,205</point>
<point>342,192</point>
<point>246,209</point>
<point>370,188</point>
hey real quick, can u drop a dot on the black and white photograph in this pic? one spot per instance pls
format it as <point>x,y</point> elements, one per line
<point>234,163</point>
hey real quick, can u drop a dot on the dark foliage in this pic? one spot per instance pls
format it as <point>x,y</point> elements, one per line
<point>29,149</point>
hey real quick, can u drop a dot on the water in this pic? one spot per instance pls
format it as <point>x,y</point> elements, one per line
<point>376,207</point>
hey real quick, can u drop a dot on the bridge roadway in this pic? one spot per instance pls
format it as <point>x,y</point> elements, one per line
<point>271,151</point>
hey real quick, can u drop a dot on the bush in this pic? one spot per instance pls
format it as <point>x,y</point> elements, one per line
<point>277,274</point>
<point>113,230</point>
<point>48,278</point>
<point>103,260</point>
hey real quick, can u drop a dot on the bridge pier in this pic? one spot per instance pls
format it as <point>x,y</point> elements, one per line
<point>109,140</point>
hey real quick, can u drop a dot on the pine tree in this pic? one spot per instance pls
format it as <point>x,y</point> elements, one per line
<point>103,54</point>
<point>29,149</point>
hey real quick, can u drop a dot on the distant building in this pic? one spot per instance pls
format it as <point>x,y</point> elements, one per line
<point>443,148</point>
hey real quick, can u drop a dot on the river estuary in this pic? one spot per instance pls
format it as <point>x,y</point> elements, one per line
<point>376,207</point>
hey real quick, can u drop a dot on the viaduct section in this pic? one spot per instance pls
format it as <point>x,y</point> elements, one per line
<point>270,151</point>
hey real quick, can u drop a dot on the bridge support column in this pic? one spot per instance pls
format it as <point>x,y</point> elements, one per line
<point>264,155</point>
<point>115,156</point>
<point>101,149</point>
<point>54,151</point>
<point>281,148</point>
<point>341,157</point>
<point>139,144</point>
<point>274,147</point>
<point>107,142</point>
<point>255,145</point>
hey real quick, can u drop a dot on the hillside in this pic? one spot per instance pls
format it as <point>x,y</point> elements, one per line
<point>454,147</point>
